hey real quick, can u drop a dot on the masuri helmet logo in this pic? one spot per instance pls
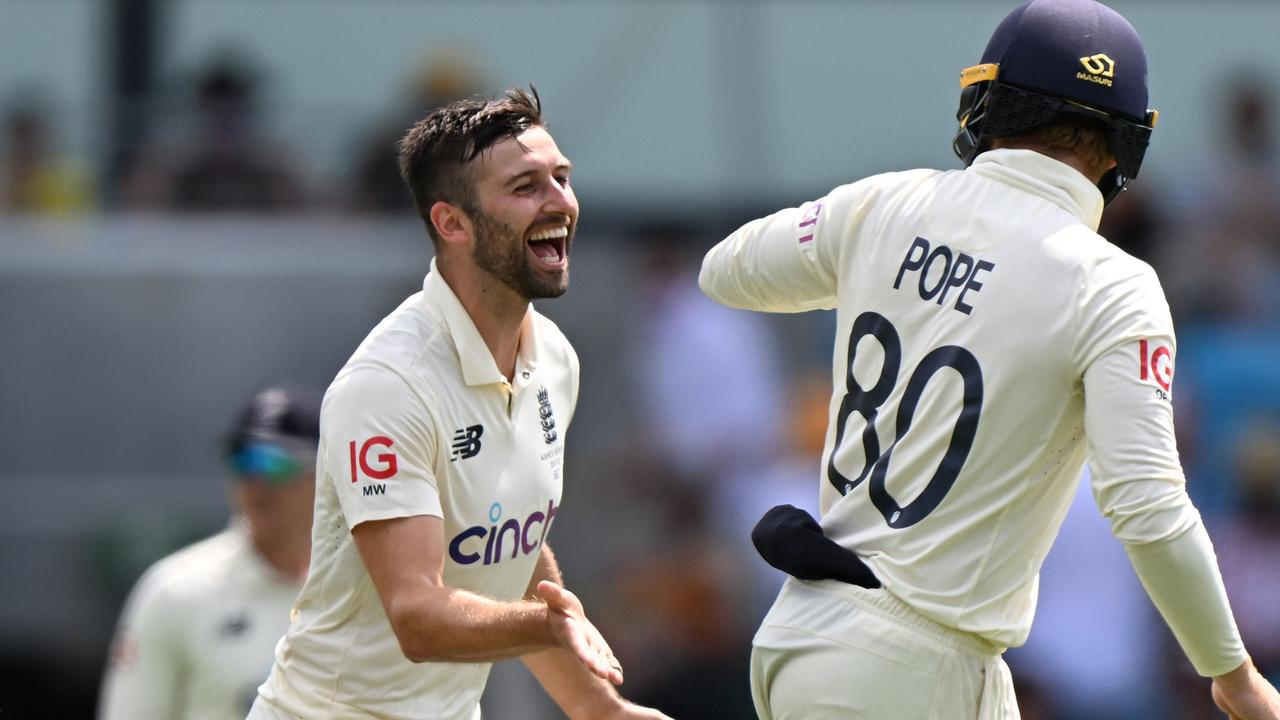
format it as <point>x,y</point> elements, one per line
<point>1099,64</point>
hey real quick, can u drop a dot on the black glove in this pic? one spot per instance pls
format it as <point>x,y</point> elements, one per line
<point>789,539</point>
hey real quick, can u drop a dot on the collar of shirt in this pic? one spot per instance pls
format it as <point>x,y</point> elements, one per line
<point>478,365</point>
<point>1041,175</point>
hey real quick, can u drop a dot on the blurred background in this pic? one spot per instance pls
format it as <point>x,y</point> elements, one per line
<point>199,197</point>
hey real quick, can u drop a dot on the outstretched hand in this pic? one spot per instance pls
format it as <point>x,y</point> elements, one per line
<point>1243,694</point>
<point>573,632</point>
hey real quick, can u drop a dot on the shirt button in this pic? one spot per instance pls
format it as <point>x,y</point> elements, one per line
<point>525,374</point>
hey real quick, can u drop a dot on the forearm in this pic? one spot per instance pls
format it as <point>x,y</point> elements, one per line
<point>1181,576</point>
<point>578,692</point>
<point>452,625</point>
<point>431,620</point>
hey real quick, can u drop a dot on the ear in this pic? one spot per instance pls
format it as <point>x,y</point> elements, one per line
<point>451,223</point>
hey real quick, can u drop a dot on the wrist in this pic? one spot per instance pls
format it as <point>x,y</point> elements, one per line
<point>1241,676</point>
<point>542,622</point>
<point>605,708</point>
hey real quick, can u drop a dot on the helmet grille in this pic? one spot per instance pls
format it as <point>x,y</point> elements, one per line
<point>1011,110</point>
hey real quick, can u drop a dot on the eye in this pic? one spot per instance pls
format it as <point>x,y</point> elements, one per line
<point>524,188</point>
<point>562,180</point>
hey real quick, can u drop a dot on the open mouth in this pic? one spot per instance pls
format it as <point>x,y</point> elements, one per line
<point>549,245</point>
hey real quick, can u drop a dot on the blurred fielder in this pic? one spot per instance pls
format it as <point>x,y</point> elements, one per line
<point>196,636</point>
<point>441,455</point>
<point>987,341</point>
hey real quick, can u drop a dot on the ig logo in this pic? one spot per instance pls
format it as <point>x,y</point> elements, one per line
<point>1156,364</point>
<point>384,465</point>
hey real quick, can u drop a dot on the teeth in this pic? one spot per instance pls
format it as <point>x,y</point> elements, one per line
<point>550,234</point>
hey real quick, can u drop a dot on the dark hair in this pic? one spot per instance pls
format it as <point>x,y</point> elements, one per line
<point>1084,137</point>
<point>434,154</point>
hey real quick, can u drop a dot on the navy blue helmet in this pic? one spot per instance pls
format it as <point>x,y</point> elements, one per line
<point>1049,57</point>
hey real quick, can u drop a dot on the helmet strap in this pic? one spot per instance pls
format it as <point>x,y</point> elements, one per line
<point>968,142</point>
<point>1111,185</point>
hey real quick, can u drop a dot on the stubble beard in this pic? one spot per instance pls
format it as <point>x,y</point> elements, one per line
<point>503,253</point>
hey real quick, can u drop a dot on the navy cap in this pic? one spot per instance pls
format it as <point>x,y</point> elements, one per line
<point>1078,50</point>
<point>281,413</point>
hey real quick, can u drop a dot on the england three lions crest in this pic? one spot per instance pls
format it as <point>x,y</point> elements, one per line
<point>544,413</point>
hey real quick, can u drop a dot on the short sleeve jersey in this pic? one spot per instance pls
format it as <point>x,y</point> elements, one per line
<point>195,639</point>
<point>420,422</point>
<point>973,308</point>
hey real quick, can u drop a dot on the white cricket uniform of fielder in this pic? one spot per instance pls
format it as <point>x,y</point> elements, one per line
<point>196,636</point>
<point>420,422</point>
<point>976,312</point>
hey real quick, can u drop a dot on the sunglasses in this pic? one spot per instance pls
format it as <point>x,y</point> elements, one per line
<point>267,463</point>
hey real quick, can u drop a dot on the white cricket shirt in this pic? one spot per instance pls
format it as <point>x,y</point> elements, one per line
<point>420,422</point>
<point>196,636</point>
<point>976,311</point>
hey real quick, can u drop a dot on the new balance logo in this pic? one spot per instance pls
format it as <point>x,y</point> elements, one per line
<point>466,442</point>
<point>549,433</point>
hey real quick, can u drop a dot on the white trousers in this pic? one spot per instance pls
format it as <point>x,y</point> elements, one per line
<point>830,650</point>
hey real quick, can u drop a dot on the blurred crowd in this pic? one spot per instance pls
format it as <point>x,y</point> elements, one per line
<point>725,412</point>
<point>204,148</point>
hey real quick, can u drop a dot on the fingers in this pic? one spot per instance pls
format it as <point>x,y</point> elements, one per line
<point>577,634</point>
<point>612,670</point>
<point>548,592</point>
<point>558,598</point>
<point>615,670</point>
<point>601,660</point>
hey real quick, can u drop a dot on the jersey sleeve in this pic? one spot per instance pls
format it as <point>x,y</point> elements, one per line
<point>779,263</point>
<point>789,261</point>
<point>1138,482</point>
<point>1182,579</point>
<point>1129,351</point>
<point>146,668</point>
<point>378,441</point>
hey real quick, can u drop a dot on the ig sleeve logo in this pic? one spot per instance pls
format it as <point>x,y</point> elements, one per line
<point>1156,364</point>
<point>380,466</point>
<point>809,219</point>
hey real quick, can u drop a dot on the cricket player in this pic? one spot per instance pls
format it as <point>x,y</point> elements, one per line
<point>988,340</point>
<point>197,633</point>
<point>441,455</point>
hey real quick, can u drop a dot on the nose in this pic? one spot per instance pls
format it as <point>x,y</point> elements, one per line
<point>562,201</point>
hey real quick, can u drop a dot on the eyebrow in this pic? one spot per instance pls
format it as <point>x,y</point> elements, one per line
<point>565,166</point>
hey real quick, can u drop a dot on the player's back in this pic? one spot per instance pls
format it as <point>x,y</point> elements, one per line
<point>197,635</point>
<point>964,303</point>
